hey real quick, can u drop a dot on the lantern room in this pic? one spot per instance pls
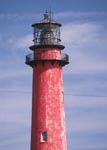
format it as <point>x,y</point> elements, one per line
<point>46,32</point>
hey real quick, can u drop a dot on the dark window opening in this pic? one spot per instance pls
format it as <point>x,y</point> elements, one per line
<point>44,136</point>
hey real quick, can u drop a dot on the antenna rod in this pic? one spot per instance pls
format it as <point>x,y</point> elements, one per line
<point>50,11</point>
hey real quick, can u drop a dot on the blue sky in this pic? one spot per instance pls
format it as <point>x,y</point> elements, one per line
<point>84,34</point>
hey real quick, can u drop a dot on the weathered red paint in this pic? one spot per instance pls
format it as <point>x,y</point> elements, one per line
<point>48,101</point>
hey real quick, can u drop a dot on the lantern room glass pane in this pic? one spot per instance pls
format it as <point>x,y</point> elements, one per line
<point>47,34</point>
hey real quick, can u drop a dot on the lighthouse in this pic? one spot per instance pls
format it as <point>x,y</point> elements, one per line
<point>48,117</point>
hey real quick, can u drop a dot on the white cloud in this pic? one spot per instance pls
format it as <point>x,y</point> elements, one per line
<point>87,124</point>
<point>66,14</point>
<point>86,114</point>
<point>14,73</point>
<point>77,37</point>
<point>84,43</point>
<point>85,102</point>
<point>77,14</point>
<point>19,16</point>
<point>80,33</point>
<point>24,42</point>
<point>20,42</point>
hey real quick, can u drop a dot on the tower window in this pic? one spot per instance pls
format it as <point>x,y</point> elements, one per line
<point>44,136</point>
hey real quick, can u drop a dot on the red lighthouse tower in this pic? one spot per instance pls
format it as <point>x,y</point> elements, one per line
<point>48,118</point>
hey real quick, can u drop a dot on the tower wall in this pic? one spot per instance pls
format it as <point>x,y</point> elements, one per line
<point>48,103</point>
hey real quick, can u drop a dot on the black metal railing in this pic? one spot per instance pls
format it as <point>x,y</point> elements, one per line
<point>30,59</point>
<point>65,57</point>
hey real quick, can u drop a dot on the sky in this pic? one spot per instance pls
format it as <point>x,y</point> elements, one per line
<point>84,35</point>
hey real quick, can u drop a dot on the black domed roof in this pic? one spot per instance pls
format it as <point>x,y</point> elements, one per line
<point>46,20</point>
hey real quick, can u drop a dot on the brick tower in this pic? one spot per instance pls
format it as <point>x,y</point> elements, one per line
<point>48,117</point>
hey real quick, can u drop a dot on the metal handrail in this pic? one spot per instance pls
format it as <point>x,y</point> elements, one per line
<point>64,57</point>
<point>30,58</point>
